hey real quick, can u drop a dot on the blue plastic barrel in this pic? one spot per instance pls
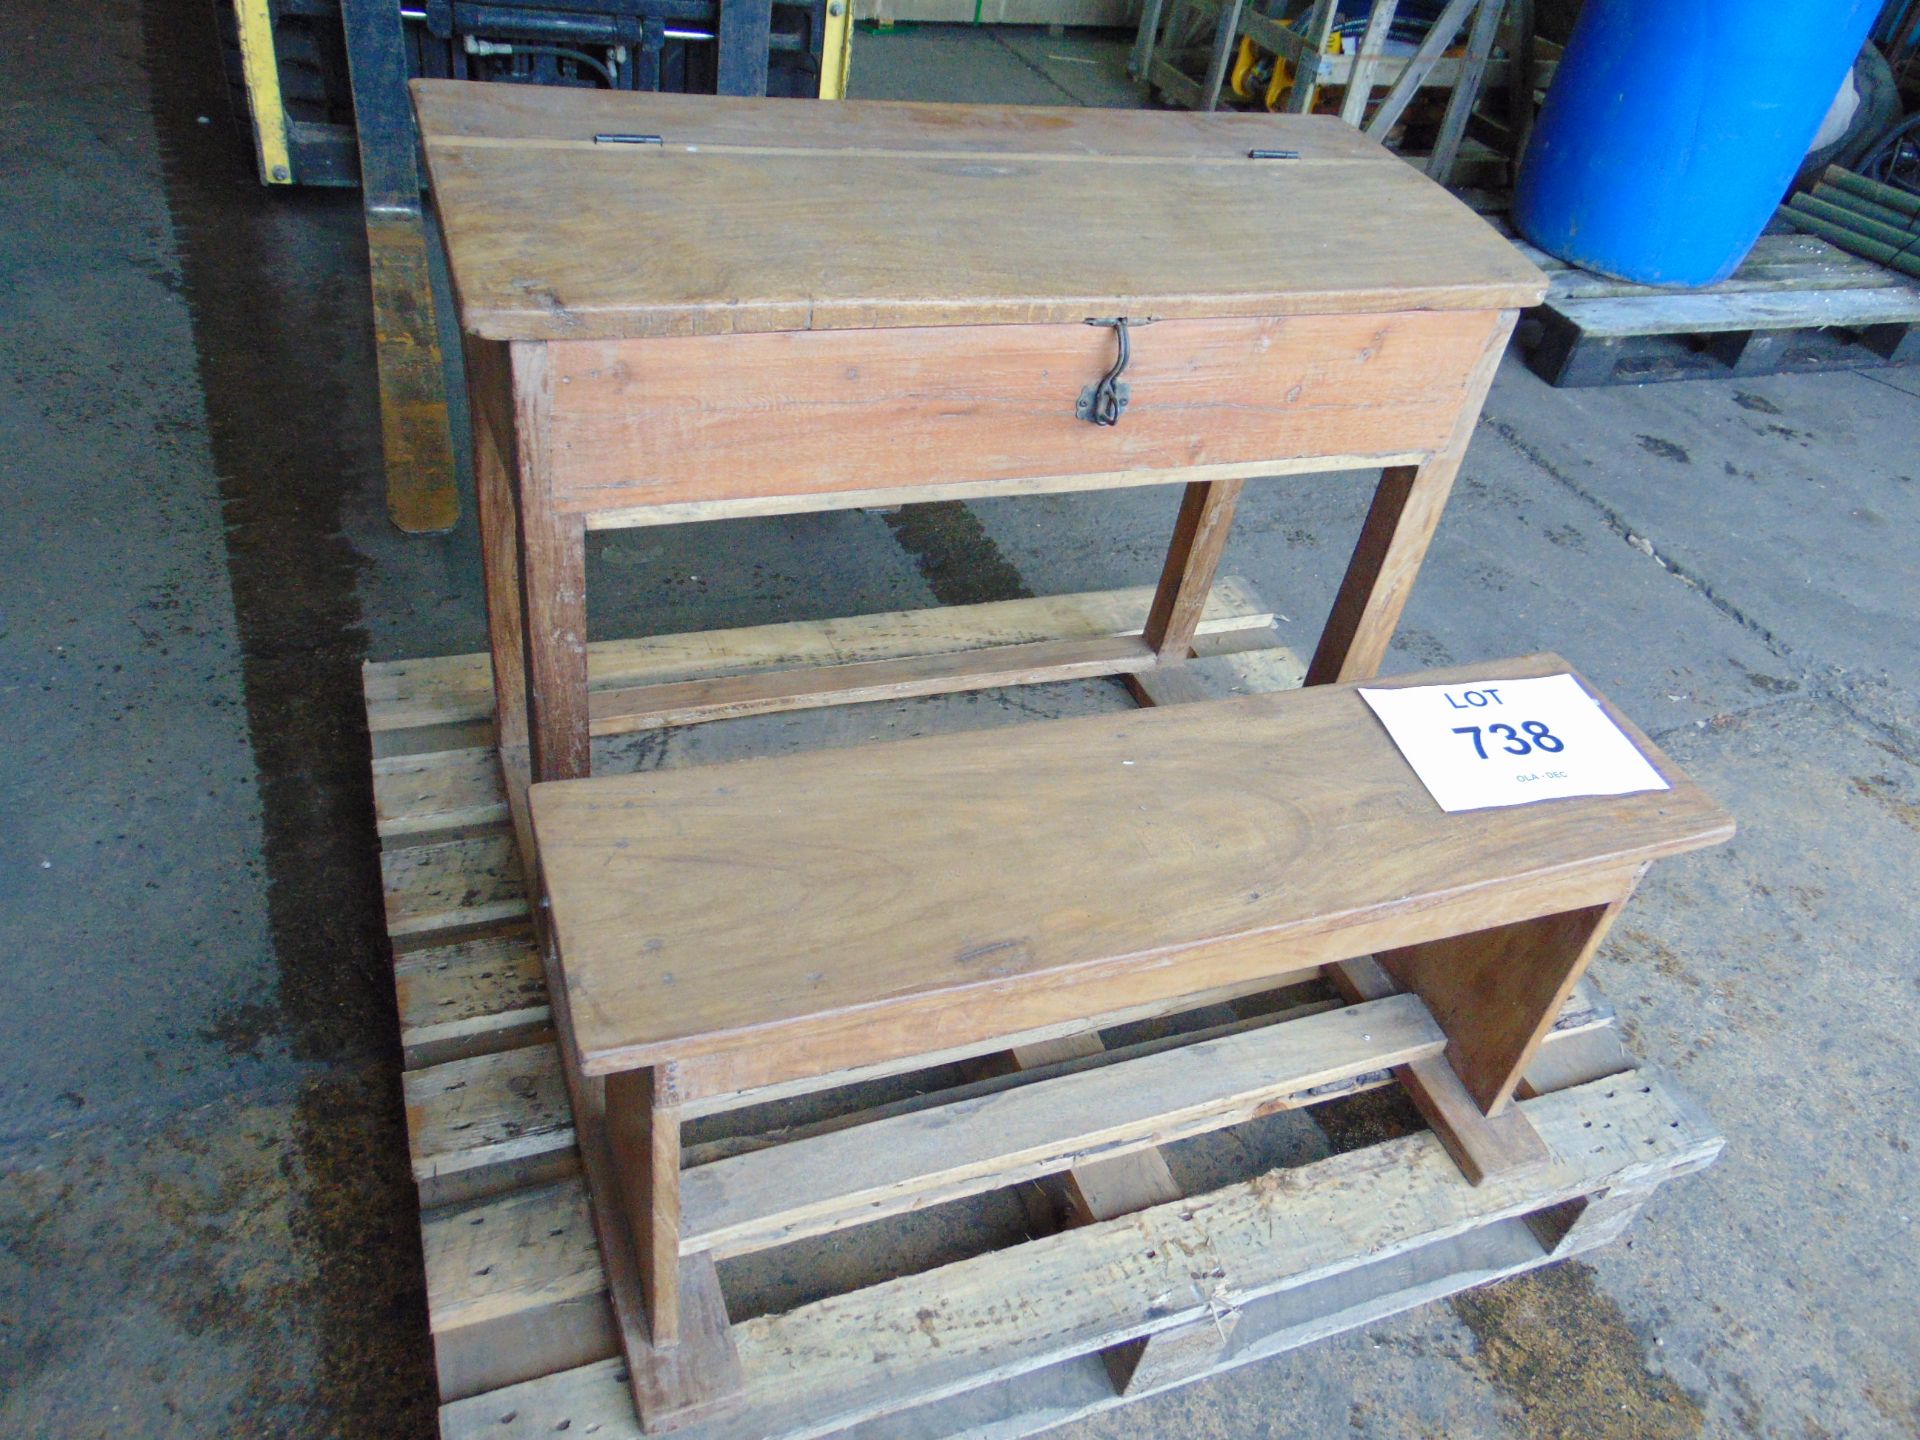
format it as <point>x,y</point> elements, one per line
<point>1673,128</point>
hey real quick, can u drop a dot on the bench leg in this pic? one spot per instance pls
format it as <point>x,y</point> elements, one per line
<point>1496,992</point>
<point>1394,538</point>
<point>643,1133</point>
<point>684,1367</point>
<point>1480,1145</point>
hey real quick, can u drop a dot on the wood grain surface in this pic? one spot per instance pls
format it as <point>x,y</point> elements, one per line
<point>675,421</point>
<point>756,215</point>
<point>729,907</point>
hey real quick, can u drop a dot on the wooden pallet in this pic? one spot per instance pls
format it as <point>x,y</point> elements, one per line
<point>938,1330</point>
<point>1796,303</point>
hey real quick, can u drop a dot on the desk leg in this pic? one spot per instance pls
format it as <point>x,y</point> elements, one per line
<point>499,543</point>
<point>1393,540</point>
<point>553,586</point>
<point>1186,579</point>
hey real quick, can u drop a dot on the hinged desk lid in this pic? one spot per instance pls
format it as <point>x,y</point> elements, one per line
<point>755,215</point>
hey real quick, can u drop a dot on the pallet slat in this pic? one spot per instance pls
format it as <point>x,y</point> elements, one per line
<point>484,1274</point>
<point>452,887</point>
<point>1776,262</point>
<point>481,1125</point>
<point>1796,303</point>
<point>808,1187</point>
<point>1710,313</point>
<point>440,790</point>
<point>470,998</point>
<point>819,1367</point>
<point>535,1245</point>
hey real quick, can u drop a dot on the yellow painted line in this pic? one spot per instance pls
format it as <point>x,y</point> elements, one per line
<point>262,71</point>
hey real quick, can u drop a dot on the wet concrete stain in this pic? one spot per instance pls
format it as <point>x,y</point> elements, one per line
<point>275,411</point>
<point>957,557</point>
<point>1563,1352</point>
<point>1665,449</point>
<point>1884,790</point>
<point>1759,404</point>
<point>1559,1348</point>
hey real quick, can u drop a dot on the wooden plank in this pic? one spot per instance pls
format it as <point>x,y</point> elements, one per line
<point>702,419</point>
<point>1145,38</point>
<point>515,1289</point>
<point>1076,1388</point>
<point>1394,538</point>
<point>435,795</point>
<point>1780,248</point>
<point>1424,58</point>
<point>487,1124</point>
<point>1029,1062</point>
<point>1496,992</point>
<point>755,1201</point>
<point>441,790</point>
<point>1057,1001</point>
<point>761,219</point>
<point>1366,63</point>
<point>453,887</point>
<point>1466,90</point>
<point>1754,310</point>
<point>409,694</point>
<point>777,868</point>
<point>1576,1059</point>
<point>1481,1145</point>
<point>1839,271</point>
<point>486,1119</point>
<point>470,998</point>
<point>655,707</point>
<point>881,498</point>
<point>1307,78</point>
<point>813,1369</point>
<point>505,1288</point>
<point>1225,35</point>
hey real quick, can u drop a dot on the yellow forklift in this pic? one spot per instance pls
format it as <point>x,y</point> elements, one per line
<point>323,85</point>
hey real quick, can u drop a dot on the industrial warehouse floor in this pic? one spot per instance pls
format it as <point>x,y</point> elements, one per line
<point>206,1221</point>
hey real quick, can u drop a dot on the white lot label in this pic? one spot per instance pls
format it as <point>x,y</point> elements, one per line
<point>1511,742</point>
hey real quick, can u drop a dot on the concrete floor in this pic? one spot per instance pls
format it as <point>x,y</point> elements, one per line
<point>208,1225</point>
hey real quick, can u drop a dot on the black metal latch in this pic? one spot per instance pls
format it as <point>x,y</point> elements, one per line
<point>1105,401</point>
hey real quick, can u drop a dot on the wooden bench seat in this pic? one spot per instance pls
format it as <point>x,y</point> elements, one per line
<point>721,931</point>
<point>752,921</point>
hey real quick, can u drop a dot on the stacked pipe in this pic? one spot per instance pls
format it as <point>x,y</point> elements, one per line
<point>1864,217</point>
